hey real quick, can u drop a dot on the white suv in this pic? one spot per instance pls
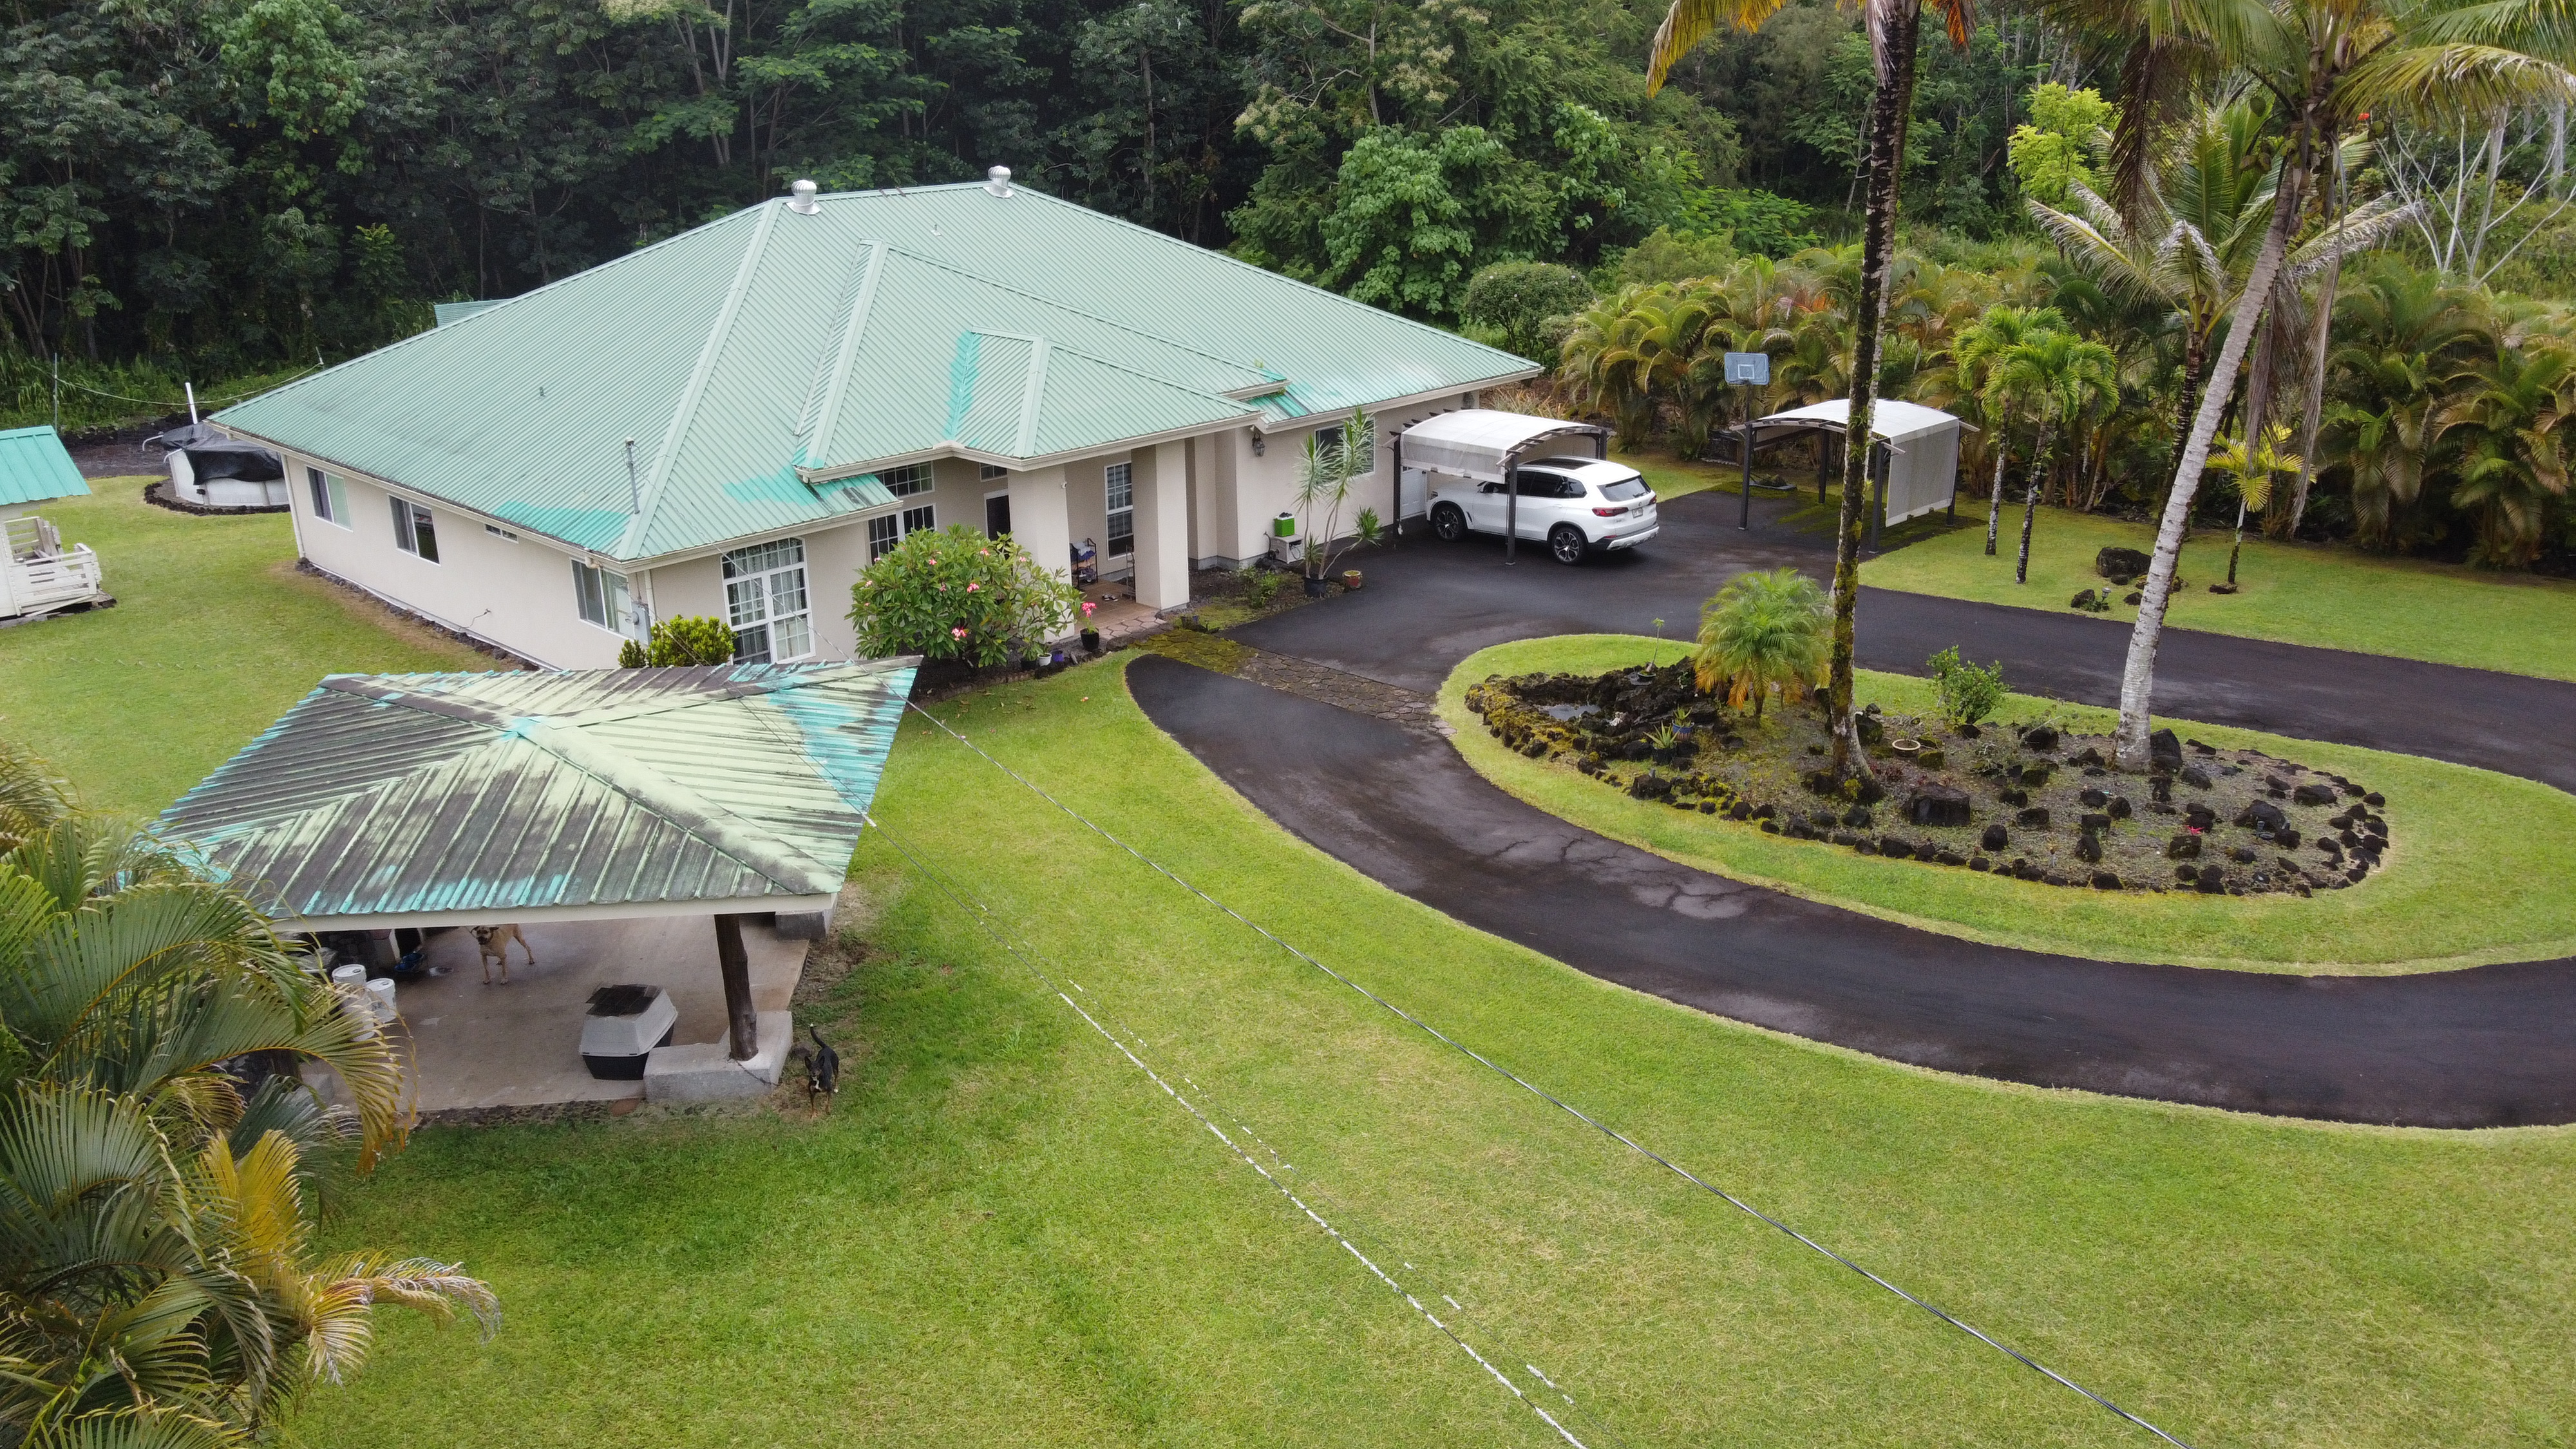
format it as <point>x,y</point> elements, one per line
<point>1574,504</point>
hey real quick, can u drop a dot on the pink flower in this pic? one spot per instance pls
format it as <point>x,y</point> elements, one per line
<point>958,633</point>
<point>970,588</point>
<point>1087,607</point>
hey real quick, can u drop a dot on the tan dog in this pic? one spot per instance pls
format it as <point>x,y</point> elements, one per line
<point>494,944</point>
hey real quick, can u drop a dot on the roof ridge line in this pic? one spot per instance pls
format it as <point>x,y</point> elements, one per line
<point>1032,397</point>
<point>650,494</point>
<point>854,323</point>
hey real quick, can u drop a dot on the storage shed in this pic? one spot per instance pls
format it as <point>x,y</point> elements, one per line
<point>38,574</point>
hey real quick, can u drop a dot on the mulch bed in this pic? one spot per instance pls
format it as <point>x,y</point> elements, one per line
<point>2028,800</point>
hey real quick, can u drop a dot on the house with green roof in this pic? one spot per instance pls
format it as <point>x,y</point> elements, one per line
<point>736,421</point>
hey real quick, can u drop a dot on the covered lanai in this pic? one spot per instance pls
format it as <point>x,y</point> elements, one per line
<point>673,829</point>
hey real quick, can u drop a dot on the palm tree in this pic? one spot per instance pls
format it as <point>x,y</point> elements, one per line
<point>2404,333</point>
<point>1763,631</point>
<point>2058,378</point>
<point>157,1282</point>
<point>1609,362</point>
<point>2514,413</point>
<point>1981,344</point>
<point>1893,27</point>
<point>2254,464</point>
<point>2325,62</point>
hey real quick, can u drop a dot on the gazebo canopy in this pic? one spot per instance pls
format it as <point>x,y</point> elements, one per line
<point>1481,442</point>
<point>1893,419</point>
<point>385,800</point>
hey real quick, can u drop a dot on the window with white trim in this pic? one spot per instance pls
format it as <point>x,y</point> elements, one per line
<point>987,472</point>
<point>1121,480</point>
<point>886,531</point>
<point>330,497</point>
<point>765,598</point>
<point>503,534</point>
<point>603,599</point>
<point>415,531</point>
<point>907,480</point>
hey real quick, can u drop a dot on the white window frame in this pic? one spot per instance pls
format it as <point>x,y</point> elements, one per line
<point>908,481</point>
<point>503,534</point>
<point>1116,479</point>
<point>604,599</point>
<point>768,602</point>
<point>987,472</point>
<point>330,496</point>
<point>888,529</point>
<point>411,522</point>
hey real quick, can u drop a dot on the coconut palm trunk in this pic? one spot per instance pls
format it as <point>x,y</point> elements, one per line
<point>2030,500</point>
<point>1896,27</point>
<point>1995,495</point>
<point>2138,673</point>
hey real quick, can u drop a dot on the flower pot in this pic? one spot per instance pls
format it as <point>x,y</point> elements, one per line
<point>1905,749</point>
<point>1316,588</point>
<point>1350,578</point>
<point>1091,641</point>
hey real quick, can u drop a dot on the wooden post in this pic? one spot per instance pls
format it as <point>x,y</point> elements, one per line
<point>745,1023</point>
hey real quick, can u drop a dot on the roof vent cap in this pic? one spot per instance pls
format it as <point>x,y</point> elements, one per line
<point>997,180</point>
<point>800,198</point>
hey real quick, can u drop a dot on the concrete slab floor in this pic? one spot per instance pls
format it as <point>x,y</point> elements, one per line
<point>520,1045</point>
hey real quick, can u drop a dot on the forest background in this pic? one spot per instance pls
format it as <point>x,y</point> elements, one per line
<point>231,192</point>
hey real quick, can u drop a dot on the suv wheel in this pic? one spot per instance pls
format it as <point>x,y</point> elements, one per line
<point>1567,542</point>
<point>1450,522</point>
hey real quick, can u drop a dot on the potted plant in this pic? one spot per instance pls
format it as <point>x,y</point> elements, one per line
<point>1090,635</point>
<point>1325,472</point>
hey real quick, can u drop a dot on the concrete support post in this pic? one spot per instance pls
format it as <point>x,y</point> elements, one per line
<point>1162,526</point>
<point>743,1022</point>
<point>1038,522</point>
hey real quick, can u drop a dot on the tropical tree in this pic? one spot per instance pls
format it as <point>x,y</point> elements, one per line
<point>1763,631</point>
<point>1893,26</point>
<point>157,1280</point>
<point>1325,472</point>
<point>2511,419</point>
<point>1981,345</point>
<point>2405,334</point>
<point>2254,464</point>
<point>2325,62</point>
<point>2055,378</point>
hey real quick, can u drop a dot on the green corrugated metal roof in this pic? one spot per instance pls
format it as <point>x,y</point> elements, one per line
<point>34,467</point>
<point>407,794</point>
<point>768,349</point>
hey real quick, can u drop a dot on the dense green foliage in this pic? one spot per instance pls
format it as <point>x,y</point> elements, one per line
<point>1760,633</point>
<point>951,593</point>
<point>158,1284</point>
<point>688,639</point>
<point>1967,692</point>
<point>1509,304</point>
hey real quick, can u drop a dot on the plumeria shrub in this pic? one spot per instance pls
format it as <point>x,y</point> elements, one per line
<point>952,593</point>
<point>689,639</point>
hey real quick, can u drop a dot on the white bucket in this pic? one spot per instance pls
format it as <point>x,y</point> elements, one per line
<point>352,977</point>
<point>380,995</point>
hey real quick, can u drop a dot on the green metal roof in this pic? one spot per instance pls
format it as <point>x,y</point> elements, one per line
<point>501,795</point>
<point>34,467</point>
<point>763,361</point>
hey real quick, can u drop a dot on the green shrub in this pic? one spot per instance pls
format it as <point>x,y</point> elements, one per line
<point>1508,303</point>
<point>1968,694</point>
<point>689,639</point>
<point>1260,586</point>
<point>1763,631</point>
<point>1666,257</point>
<point>952,593</point>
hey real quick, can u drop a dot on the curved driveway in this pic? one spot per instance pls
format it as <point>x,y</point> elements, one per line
<point>2485,1046</point>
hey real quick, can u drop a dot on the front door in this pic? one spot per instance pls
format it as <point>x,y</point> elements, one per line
<point>997,515</point>
<point>1485,508</point>
<point>1541,502</point>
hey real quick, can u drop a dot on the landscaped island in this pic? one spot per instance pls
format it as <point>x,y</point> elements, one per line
<point>2032,800</point>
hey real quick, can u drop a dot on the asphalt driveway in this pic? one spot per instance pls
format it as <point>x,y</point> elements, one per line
<point>2487,1046</point>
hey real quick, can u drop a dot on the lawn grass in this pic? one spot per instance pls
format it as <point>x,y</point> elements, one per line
<point>213,635</point>
<point>2482,869</point>
<point>1004,1234</point>
<point>2327,595</point>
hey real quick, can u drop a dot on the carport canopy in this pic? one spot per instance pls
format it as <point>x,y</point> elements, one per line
<point>1918,469</point>
<point>391,800</point>
<point>1484,443</point>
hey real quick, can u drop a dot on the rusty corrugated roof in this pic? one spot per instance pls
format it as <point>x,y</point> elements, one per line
<point>503,795</point>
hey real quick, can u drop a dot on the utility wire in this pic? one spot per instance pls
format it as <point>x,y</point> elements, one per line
<point>1576,1112</point>
<point>980,915</point>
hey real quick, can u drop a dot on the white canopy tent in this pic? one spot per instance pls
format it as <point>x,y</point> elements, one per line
<point>1484,444</point>
<point>1918,463</point>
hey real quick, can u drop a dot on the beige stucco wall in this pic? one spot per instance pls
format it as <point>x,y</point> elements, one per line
<point>517,595</point>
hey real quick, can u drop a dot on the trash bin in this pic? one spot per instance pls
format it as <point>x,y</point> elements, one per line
<point>380,997</point>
